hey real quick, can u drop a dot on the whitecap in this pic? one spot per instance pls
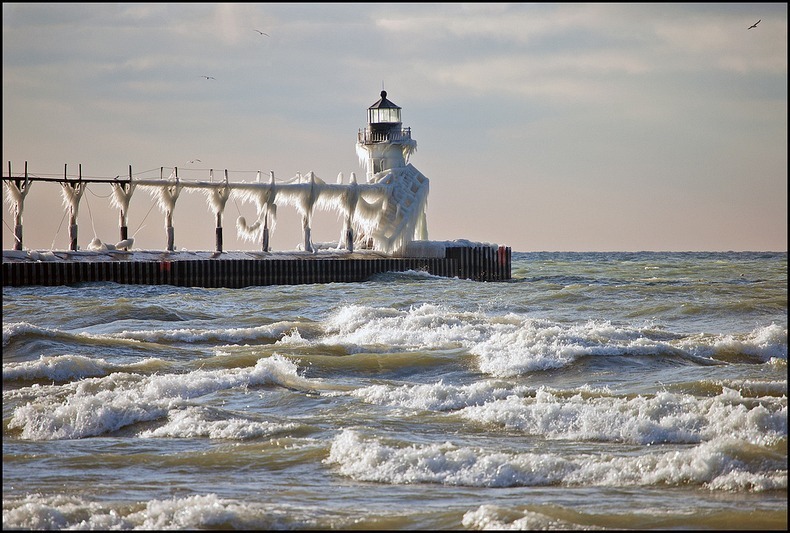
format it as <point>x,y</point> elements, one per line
<point>95,406</point>
<point>199,511</point>
<point>193,422</point>
<point>715,465</point>
<point>71,367</point>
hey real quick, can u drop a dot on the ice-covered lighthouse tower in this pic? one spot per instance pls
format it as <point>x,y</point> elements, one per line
<point>384,147</point>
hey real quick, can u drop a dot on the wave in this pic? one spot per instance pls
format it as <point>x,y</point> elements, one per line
<point>726,464</point>
<point>533,517</point>
<point>269,333</point>
<point>72,367</point>
<point>193,422</point>
<point>96,406</point>
<point>23,333</point>
<point>597,415</point>
<point>514,344</point>
<point>505,345</point>
<point>186,513</point>
<point>210,511</point>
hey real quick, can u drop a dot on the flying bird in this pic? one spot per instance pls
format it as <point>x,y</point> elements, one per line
<point>754,25</point>
<point>194,161</point>
<point>209,77</point>
<point>263,33</point>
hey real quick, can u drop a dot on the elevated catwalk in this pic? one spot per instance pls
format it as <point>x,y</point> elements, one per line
<point>244,269</point>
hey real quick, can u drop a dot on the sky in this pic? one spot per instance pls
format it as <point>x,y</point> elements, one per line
<point>543,127</point>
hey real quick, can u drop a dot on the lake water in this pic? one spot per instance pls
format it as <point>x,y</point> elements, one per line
<point>593,391</point>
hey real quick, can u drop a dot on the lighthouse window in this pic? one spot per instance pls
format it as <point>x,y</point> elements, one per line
<point>377,116</point>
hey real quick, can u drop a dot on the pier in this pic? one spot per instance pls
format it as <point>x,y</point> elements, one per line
<point>244,269</point>
<point>384,225</point>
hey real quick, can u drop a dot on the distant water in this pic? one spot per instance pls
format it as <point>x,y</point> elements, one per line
<point>594,391</point>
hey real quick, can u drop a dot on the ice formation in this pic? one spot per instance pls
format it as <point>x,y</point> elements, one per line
<point>390,210</point>
<point>385,213</point>
<point>121,196</point>
<point>15,197</point>
<point>96,245</point>
<point>72,194</point>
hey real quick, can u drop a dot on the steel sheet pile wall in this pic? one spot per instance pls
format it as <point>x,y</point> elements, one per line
<point>481,263</point>
<point>478,263</point>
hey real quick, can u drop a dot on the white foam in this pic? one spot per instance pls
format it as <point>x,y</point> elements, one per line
<point>598,415</point>
<point>18,329</point>
<point>493,517</point>
<point>95,406</point>
<point>208,511</point>
<point>194,422</point>
<point>69,367</point>
<point>514,344</point>
<point>433,397</point>
<point>663,418</point>
<point>763,342</point>
<point>230,335</point>
<point>717,465</point>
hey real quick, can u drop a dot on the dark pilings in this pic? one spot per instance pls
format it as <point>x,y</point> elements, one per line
<point>219,239</point>
<point>18,237</point>
<point>170,238</point>
<point>73,235</point>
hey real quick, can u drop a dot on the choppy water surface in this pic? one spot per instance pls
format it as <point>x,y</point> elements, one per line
<point>594,391</point>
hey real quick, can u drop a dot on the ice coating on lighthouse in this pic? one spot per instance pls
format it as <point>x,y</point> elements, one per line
<point>384,147</point>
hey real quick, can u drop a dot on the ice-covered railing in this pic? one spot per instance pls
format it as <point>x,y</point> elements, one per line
<point>359,204</point>
<point>387,212</point>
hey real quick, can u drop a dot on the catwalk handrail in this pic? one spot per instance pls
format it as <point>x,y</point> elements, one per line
<point>68,180</point>
<point>249,185</point>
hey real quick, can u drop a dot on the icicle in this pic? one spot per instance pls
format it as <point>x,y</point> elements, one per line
<point>166,196</point>
<point>264,197</point>
<point>217,196</point>
<point>307,202</point>
<point>15,198</point>
<point>121,196</point>
<point>72,194</point>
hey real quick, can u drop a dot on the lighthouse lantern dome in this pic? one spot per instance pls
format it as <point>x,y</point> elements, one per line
<point>384,111</point>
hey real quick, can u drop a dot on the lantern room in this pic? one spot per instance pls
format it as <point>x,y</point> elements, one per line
<point>383,112</point>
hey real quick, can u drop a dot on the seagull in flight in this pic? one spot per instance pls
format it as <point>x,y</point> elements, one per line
<point>194,161</point>
<point>754,25</point>
<point>209,77</point>
<point>263,33</point>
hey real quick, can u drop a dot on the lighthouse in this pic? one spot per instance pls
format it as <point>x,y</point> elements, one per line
<point>384,144</point>
<point>384,147</point>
